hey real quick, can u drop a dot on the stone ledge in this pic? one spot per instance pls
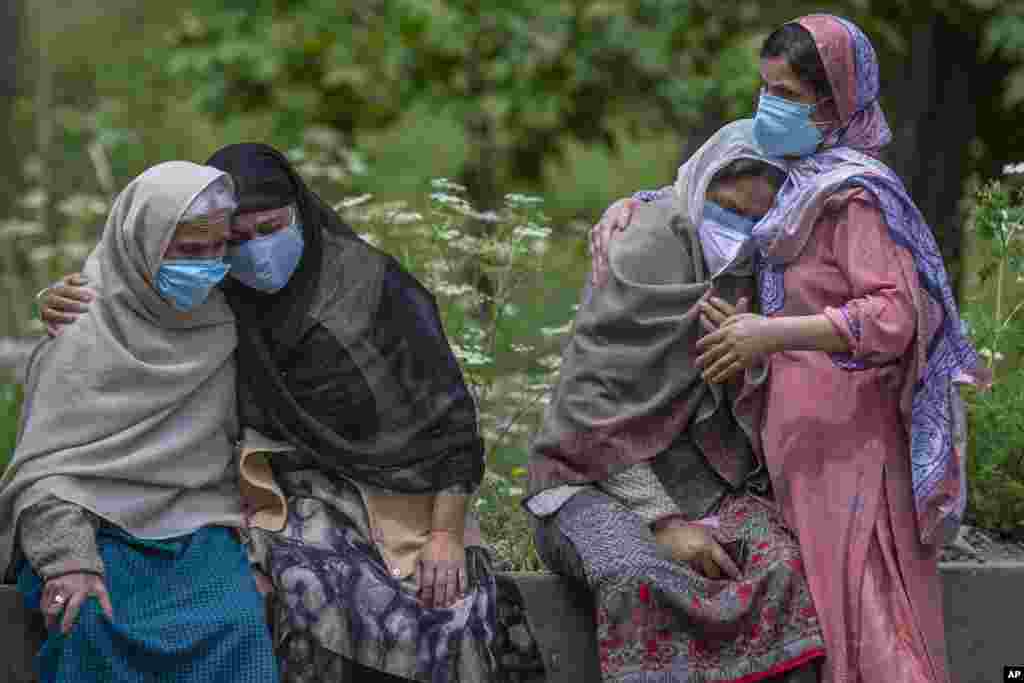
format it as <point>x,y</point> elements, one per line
<point>982,604</point>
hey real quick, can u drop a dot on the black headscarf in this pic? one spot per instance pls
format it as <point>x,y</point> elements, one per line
<point>264,179</point>
<point>436,444</point>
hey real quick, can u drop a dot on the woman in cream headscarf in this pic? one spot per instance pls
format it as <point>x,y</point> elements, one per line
<point>646,480</point>
<point>121,487</point>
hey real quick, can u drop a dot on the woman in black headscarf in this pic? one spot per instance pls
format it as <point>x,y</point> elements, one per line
<point>361,520</point>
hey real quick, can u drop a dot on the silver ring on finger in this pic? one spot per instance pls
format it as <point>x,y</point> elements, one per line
<point>59,599</point>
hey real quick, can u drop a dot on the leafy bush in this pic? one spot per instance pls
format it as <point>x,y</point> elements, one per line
<point>996,457</point>
<point>10,402</point>
<point>507,366</point>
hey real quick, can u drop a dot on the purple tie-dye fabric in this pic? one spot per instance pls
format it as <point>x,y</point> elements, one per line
<point>932,405</point>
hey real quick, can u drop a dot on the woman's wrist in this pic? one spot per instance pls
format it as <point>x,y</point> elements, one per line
<point>444,532</point>
<point>773,334</point>
<point>669,521</point>
<point>802,333</point>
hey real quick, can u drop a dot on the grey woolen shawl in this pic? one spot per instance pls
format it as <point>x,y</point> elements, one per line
<point>629,387</point>
<point>130,413</point>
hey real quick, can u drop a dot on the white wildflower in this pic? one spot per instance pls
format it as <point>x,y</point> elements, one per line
<point>454,290</point>
<point>369,238</point>
<point>555,331</point>
<point>492,477</point>
<point>34,199</point>
<point>335,174</point>
<point>551,362</point>
<point>82,205</point>
<point>451,200</point>
<point>42,253</point>
<point>356,163</point>
<point>445,185</point>
<point>468,244</point>
<point>522,200</point>
<point>405,217</point>
<point>353,202</point>
<point>76,251</point>
<point>311,169</point>
<point>482,216</point>
<point>1013,169</point>
<point>471,357</point>
<point>446,235</point>
<point>322,136</point>
<point>15,229</point>
<point>532,231</point>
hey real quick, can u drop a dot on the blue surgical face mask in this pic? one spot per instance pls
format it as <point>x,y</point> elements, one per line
<point>267,263</point>
<point>724,236</point>
<point>187,283</point>
<point>783,128</point>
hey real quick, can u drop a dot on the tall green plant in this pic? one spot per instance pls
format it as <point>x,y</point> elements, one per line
<point>507,366</point>
<point>997,423</point>
<point>10,404</point>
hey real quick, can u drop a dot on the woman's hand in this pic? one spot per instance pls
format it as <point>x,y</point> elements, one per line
<point>263,583</point>
<point>67,593</point>
<point>715,311</point>
<point>740,341</point>
<point>441,570</point>
<point>62,304</point>
<point>615,219</point>
<point>694,544</point>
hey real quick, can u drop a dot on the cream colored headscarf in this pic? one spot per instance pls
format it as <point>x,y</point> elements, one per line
<point>733,142</point>
<point>629,385</point>
<point>130,413</point>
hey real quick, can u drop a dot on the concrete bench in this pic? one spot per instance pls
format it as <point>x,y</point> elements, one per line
<point>547,628</point>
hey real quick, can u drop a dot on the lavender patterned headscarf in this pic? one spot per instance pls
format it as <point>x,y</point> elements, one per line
<point>933,409</point>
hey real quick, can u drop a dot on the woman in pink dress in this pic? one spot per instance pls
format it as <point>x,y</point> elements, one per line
<point>859,348</point>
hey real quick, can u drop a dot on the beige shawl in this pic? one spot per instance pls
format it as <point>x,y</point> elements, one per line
<point>130,413</point>
<point>629,386</point>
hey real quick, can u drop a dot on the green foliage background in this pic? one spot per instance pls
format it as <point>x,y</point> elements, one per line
<point>579,101</point>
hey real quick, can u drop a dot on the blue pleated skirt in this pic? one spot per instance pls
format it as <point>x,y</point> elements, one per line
<point>185,610</point>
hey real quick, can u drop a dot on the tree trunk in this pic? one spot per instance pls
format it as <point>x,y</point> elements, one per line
<point>712,118</point>
<point>10,32</point>
<point>935,121</point>
<point>480,172</point>
<point>46,128</point>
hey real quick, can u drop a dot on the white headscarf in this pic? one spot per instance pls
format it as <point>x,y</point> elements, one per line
<point>130,413</point>
<point>733,142</point>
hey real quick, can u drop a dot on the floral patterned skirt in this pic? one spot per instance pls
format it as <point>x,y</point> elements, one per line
<point>338,604</point>
<point>659,620</point>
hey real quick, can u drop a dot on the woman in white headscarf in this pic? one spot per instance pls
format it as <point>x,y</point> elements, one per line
<point>117,511</point>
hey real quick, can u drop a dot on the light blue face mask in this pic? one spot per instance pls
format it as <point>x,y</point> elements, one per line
<point>724,237</point>
<point>187,283</point>
<point>783,128</point>
<point>267,263</point>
